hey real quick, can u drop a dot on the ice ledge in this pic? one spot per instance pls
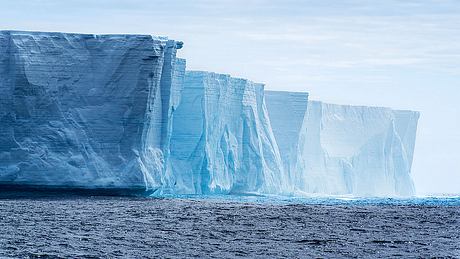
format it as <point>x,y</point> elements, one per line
<point>41,34</point>
<point>89,35</point>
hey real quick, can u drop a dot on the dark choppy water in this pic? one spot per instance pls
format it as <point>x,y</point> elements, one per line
<point>249,227</point>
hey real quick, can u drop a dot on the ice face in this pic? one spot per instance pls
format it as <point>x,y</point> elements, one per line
<point>119,111</point>
<point>84,110</point>
<point>222,140</point>
<point>287,111</point>
<point>340,149</point>
<point>177,84</point>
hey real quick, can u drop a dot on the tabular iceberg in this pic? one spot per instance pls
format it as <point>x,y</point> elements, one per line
<point>222,140</point>
<point>120,111</point>
<point>85,110</point>
<point>340,149</point>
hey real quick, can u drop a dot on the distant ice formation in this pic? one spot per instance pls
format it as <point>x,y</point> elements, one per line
<point>341,149</point>
<point>120,111</point>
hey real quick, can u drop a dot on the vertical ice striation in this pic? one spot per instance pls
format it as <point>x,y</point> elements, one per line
<point>406,127</point>
<point>341,149</point>
<point>222,140</point>
<point>175,96</point>
<point>84,110</point>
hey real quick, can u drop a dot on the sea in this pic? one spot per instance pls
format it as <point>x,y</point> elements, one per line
<point>230,226</point>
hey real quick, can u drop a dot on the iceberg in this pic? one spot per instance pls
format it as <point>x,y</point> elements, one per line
<point>85,110</point>
<point>120,112</point>
<point>343,149</point>
<point>222,140</point>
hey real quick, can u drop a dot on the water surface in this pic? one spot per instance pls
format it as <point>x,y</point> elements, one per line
<point>230,226</point>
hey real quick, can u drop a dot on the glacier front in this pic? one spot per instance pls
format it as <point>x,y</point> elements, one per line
<point>85,110</point>
<point>345,150</point>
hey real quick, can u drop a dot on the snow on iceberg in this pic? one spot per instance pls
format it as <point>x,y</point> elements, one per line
<point>84,110</point>
<point>342,149</point>
<point>222,140</point>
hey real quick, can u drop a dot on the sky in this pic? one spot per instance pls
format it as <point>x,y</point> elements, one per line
<point>403,54</point>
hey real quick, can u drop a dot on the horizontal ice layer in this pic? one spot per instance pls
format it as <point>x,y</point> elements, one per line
<point>84,110</point>
<point>341,149</point>
<point>222,141</point>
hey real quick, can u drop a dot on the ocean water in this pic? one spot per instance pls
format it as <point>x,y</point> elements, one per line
<point>75,226</point>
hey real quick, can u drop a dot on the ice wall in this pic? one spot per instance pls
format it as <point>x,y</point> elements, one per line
<point>175,98</point>
<point>85,110</point>
<point>341,149</point>
<point>119,111</point>
<point>222,141</point>
<point>287,111</point>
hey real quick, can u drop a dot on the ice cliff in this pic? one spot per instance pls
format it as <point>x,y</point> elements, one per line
<point>287,111</point>
<point>85,110</point>
<point>341,149</point>
<point>222,141</point>
<point>120,112</point>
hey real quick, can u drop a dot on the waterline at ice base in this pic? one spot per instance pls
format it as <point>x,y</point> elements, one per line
<point>120,114</point>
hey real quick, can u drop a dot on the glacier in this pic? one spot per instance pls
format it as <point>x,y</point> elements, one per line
<point>122,112</point>
<point>343,149</point>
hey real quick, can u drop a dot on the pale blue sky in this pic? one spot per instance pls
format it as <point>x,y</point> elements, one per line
<point>395,53</point>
